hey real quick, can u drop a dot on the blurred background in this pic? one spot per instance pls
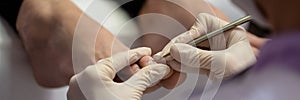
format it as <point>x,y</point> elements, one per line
<point>17,81</point>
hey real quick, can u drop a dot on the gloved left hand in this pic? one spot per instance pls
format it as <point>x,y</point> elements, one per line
<point>96,81</point>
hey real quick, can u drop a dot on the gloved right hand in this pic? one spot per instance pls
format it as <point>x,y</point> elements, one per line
<point>229,54</point>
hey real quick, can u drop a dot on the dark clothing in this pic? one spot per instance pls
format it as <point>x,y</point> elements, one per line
<point>133,7</point>
<point>9,10</point>
<point>258,30</point>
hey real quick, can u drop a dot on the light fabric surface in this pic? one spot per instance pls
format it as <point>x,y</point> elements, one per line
<point>228,8</point>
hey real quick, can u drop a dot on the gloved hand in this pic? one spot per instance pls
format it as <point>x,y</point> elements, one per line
<point>96,81</point>
<point>230,52</point>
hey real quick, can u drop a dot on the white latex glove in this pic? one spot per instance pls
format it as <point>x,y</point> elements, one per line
<point>96,81</point>
<point>230,52</point>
